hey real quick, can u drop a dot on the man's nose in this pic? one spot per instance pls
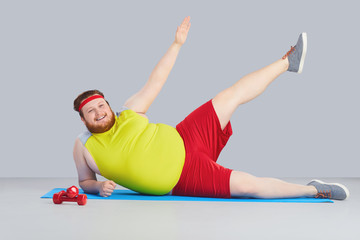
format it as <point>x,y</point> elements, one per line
<point>98,113</point>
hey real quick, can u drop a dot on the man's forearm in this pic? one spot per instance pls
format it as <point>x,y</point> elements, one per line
<point>162,70</point>
<point>141,101</point>
<point>90,186</point>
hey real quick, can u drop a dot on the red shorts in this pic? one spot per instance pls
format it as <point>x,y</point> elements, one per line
<point>203,139</point>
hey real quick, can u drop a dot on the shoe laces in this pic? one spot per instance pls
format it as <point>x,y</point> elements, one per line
<point>289,52</point>
<point>323,194</point>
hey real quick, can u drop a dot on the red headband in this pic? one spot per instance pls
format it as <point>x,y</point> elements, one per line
<point>88,100</point>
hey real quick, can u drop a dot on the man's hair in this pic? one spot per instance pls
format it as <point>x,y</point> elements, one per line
<point>84,96</point>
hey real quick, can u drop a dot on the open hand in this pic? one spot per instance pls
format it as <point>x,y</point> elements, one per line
<point>182,31</point>
<point>107,188</point>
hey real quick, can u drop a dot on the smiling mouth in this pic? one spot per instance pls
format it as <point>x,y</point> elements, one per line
<point>101,118</point>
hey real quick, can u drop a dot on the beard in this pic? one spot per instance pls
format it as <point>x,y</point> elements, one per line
<point>103,127</point>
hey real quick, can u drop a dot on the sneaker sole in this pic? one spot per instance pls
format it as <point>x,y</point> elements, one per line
<point>303,55</point>
<point>337,184</point>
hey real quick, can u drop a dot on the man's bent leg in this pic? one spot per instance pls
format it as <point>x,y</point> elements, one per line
<point>246,185</point>
<point>246,89</point>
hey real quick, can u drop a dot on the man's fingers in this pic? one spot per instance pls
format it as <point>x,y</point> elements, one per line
<point>186,24</point>
<point>107,194</point>
<point>109,189</point>
<point>111,183</point>
<point>186,21</point>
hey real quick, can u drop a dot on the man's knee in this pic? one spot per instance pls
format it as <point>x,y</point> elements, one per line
<point>242,184</point>
<point>224,106</point>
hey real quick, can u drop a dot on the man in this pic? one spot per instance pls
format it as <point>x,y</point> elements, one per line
<point>159,159</point>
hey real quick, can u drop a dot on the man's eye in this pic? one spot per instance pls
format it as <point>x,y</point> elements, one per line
<point>101,105</point>
<point>90,111</point>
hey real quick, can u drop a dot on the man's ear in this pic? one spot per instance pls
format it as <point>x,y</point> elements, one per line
<point>83,120</point>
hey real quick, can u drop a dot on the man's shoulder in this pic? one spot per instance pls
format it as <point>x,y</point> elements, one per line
<point>84,136</point>
<point>123,108</point>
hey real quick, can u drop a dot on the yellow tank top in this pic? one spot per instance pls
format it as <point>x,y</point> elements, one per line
<point>141,156</point>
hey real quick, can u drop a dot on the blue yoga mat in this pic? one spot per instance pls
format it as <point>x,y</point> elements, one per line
<point>131,195</point>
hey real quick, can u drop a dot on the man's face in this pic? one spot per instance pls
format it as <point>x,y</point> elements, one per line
<point>98,116</point>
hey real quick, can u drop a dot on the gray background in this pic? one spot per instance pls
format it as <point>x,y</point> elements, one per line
<point>303,125</point>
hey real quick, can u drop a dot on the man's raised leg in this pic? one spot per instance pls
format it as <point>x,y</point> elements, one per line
<point>252,85</point>
<point>247,88</point>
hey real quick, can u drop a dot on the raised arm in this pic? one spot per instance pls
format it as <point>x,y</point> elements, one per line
<point>141,101</point>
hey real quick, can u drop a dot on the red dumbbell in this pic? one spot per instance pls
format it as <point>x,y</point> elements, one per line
<point>71,195</point>
<point>72,192</point>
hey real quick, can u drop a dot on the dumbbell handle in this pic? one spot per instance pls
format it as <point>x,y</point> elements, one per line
<point>67,199</point>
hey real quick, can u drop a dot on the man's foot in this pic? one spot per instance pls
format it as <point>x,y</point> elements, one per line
<point>296,55</point>
<point>330,190</point>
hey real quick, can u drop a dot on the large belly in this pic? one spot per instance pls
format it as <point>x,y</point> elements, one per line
<point>155,167</point>
<point>152,163</point>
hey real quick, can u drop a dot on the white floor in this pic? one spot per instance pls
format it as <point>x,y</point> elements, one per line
<point>24,215</point>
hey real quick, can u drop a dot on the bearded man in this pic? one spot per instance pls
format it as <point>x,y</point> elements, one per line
<point>159,159</point>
